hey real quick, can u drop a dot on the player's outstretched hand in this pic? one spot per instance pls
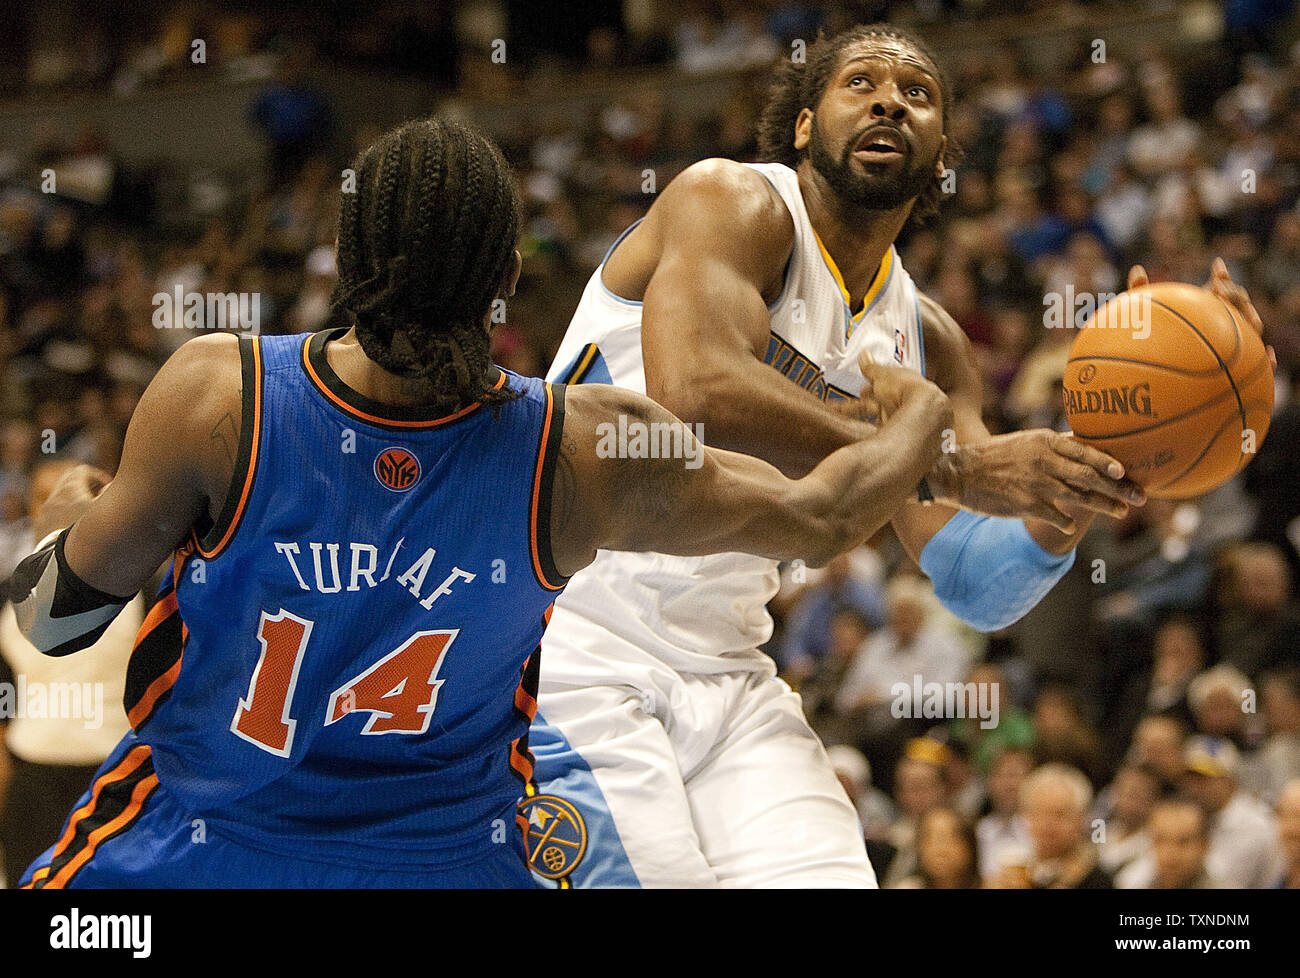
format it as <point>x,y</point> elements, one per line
<point>1039,474</point>
<point>1222,285</point>
<point>69,499</point>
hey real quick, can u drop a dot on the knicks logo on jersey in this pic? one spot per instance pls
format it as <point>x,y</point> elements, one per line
<point>786,360</point>
<point>397,469</point>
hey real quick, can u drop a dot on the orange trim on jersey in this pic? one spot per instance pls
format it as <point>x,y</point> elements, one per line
<point>537,486</point>
<point>138,797</point>
<point>164,609</point>
<point>344,406</point>
<point>140,712</point>
<point>123,769</point>
<point>877,282</point>
<point>520,763</point>
<point>525,703</point>
<point>252,457</point>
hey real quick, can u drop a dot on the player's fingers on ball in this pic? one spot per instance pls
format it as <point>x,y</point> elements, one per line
<point>1085,478</point>
<point>1105,505</point>
<point>1059,520</point>
<point>1095,501</point>
<point>1077,451</point>
<point>1137,276</point>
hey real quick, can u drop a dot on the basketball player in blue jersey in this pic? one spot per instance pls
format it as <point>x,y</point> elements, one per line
<point>365,530</point>
<point>660,725</point>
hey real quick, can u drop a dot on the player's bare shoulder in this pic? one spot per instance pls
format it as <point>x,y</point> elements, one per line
<point>716,207</point>
<point>195,401</point>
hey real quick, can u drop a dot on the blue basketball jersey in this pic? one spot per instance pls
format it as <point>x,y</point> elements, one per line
<point>345,664</point>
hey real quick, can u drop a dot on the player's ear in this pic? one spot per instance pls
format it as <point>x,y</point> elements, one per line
<point>803,128</point>
<point>513,271</point>
<point>939,164</point>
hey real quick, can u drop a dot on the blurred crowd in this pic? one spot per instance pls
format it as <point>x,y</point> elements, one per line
<point>1147,713</point>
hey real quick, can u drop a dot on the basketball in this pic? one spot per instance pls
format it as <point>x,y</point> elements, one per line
<point>1171,381</point>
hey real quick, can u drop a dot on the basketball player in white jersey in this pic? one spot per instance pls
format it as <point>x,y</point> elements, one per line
<point>662,732</point>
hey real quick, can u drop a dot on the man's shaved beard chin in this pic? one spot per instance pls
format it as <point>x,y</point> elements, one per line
<point>869,190</point>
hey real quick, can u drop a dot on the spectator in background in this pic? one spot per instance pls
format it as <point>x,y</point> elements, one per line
<point>1180,842</point>
<point>1259,624</point>
<point>1243,833</point>
<point>1158,744</point>
<point>1219,698</point>
<point>808,628</point>
<point>1003,833</point>
<point>294,117</point>
<point>1129,801</point>
<point>1034,398</point>
<point>909,646</point>
<point>17,452</point>
<point>965,788</point>
<point>1277,762</point>
<point>1015,727</point>
<point>1163,143</point>
<point>1055,800</point>
<point>848,630</point>
<point>1288,830</point>
<point>918,787</point>
<point>1154,565</point>
<point>1063,735</point>
<point>1177,656</point>
<point>947,853</point>
<point>999,359</point>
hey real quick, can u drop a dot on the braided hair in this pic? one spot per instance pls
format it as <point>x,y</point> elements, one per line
<point>424,245</point>
<point>801,85</point>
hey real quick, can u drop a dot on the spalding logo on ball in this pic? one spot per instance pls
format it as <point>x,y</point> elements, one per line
<point>1171,381</point>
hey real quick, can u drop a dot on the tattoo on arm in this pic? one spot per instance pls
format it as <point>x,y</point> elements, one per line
<point>227,433</point>
<point>653,485</point>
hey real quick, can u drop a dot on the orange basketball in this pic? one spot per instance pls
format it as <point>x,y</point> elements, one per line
<point>1170,380</point>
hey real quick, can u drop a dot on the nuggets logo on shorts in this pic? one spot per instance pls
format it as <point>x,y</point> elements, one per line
<point>556,839</point>
<point>397,469</point>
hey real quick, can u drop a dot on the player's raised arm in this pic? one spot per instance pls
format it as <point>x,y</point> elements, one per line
<point>720,237</point>
<point>177,455</point>
<point>695,500</point>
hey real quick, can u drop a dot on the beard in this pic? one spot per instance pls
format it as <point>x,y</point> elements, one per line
<point>873,189</point>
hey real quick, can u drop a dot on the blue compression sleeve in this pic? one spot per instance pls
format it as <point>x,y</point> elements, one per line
<point>988,571</point>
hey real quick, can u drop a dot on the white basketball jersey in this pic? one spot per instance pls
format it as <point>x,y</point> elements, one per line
<point>702,614</point>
